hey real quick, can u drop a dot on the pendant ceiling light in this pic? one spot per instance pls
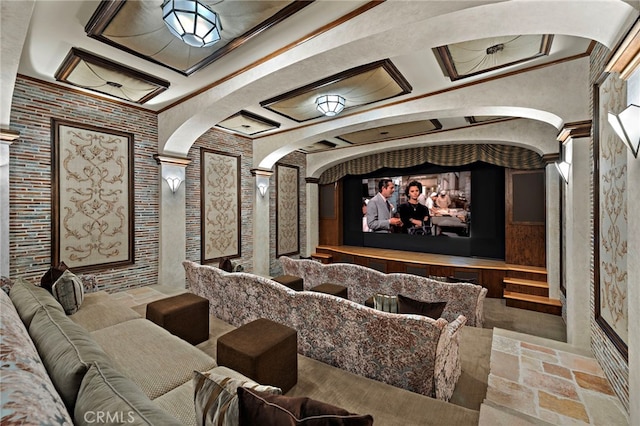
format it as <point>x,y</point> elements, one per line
<point>192,22</point>
<point>330,105</point>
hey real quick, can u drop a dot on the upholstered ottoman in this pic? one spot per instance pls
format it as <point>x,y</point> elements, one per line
<point>185,315</point>
<point>262,350</point>
<point>291,281</point>
<point>334,289</point>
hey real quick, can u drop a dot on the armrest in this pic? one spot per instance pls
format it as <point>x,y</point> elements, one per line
<point>447,366</point>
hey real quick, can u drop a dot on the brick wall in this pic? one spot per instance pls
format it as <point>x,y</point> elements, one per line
<point>614,365</point>
<point>34,104</point>
<point>237,145</point>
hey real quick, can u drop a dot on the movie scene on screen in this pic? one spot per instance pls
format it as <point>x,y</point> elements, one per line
<point>437,204</point>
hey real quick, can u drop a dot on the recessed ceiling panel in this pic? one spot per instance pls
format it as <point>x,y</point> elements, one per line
<point>475,119</point>
<point>359,86</point>
<point>468,58</point>
<point>248,123</point>
<point>83,69</point>
<point>137,27</point>
<point>394,131</point>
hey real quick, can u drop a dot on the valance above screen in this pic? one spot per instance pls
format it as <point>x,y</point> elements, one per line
<point>513,157</point>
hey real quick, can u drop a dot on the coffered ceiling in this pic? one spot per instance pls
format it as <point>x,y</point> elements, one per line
<point>122,50</point>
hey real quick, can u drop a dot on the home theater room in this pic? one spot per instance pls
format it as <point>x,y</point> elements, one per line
<point>354,212</point>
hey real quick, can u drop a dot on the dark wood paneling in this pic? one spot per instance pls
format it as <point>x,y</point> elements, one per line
<point>492,281</point>
<point>398,267</point>
<point>525,234</point>
<point>526,245</point>
<point>330,218</point>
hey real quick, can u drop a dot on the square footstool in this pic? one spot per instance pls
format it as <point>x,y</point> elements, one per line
<point>291,281</point>
<point>334,289</point>
<point>185,315</point>
<point>262,350</point>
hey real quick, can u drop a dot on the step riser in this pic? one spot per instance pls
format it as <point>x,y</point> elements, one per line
<point>525,289</point>
<point>533,306</point>
<point>527,275</point>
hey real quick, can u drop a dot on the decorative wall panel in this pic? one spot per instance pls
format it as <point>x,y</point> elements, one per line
<point>92,196</point>
<point>287,210</point>
<point>611,217</point>
<point>220,204</point>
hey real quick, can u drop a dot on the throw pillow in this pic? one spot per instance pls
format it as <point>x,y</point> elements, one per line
<point>258,408</point>
<point>216,397</point>
<point>52,275</point>
<point>406,305</point>
<point>386,303</point>
<point>69,291</point>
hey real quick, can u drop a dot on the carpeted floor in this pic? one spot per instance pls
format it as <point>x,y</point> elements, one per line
<point>475,350</point>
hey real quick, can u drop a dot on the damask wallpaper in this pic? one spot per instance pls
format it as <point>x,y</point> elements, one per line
<point>287,210</point>
<point>93,192</point>
<point>612,217</point>
<point>220,191</point>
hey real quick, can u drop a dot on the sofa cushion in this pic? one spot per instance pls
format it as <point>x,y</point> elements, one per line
<point>106,392</point>
<point>216,398</point>
<point>66,350</point>
<point>407,305</point>
<point>68,290</point>
<point>150,356</point>
<point>28,298</point>
<point>96,316</point>
<point>28,395</point>
<point>257,408</point>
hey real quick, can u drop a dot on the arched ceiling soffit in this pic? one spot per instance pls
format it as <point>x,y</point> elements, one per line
<point>385,31</point>
<point>569,102</point>
<point>530,134</point>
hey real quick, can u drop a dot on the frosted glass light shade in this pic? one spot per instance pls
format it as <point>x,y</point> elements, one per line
<point>330,105</point>
<point>192,22</point>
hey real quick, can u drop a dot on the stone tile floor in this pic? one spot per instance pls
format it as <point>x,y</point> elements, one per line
<point>549,381</point>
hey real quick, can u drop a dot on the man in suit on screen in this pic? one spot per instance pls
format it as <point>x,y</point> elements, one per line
<point>379,209</point>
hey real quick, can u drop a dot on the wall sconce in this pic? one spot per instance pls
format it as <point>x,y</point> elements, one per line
<point>262,183</point>
<point>174,183</point>
<point>563,168</point>
<point>330,105</point>
<point>627,127</point>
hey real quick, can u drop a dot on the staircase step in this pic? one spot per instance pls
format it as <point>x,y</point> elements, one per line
<point>526,286</point>
<point>526,272</point>
<point>532,302</point>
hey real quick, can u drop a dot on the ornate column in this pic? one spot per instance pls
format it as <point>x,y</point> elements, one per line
<point>575,139</point>
<point>172,217</point>
<point>261,222</point>
<point>6,138</point>
<point>313,201</point>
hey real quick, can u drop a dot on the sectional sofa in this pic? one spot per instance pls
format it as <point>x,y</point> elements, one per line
<point>462,298</point>
<point>412,352</point>
<point>102,365</point>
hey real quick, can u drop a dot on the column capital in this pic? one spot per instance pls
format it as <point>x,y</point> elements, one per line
<point>626,58</point>
<point>312,180</point>
<point>172,161</point>
<point>7,135</point>
<point>577,129</point>
<point>261,172</point>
